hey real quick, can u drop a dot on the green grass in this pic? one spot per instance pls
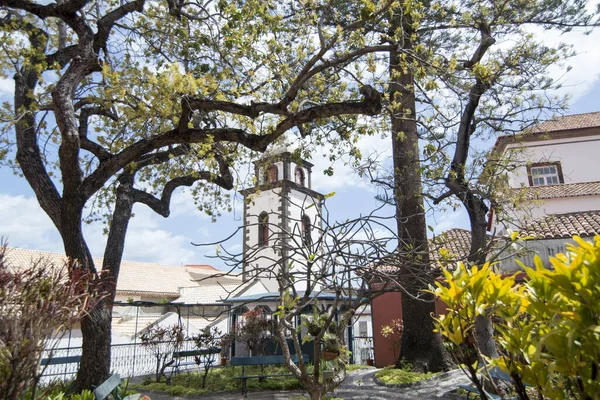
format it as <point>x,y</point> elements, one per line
<point>392,376</point>
<point>221,379</point>
<point>354,367</point>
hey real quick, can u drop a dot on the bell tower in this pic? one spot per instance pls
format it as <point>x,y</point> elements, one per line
<point>282,218</point>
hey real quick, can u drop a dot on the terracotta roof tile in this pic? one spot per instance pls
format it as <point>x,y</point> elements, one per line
<point>456,242</point>
<point>556,128</point>
<point>568,122</point>
<point>561,226</point>
<point>559,191</point>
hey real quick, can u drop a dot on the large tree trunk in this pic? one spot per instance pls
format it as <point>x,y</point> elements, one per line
<point>94,367</point>
<point>420,345</point>
<point>95,358</point>
<point>477,210</point>
<point>96,328</point>
<point>115,244</point>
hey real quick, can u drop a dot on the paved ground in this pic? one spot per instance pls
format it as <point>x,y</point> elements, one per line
<point>358,385</point>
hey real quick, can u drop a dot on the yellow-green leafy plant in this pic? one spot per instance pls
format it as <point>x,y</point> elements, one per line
<point>393,332</point>
<point>547,328</point>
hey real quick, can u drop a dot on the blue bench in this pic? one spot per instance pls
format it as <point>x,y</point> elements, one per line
<point>496,374</point>
<point>50,361</point>
<point>180,356</point>
<point>60,360</point>
<point>260,360</point>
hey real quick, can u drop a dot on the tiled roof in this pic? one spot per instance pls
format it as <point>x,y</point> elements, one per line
<point>568,122</point>
<point>559,191</point>
<point>455,243</point>
<point>208,294</point>
<point>562,226</point>
<point>146,277</point>
<point>201,267</point>
<point>567,126</point>
<point>143,278</point>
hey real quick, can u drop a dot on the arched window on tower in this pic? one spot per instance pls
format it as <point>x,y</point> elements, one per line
<point>300,176</point>
<point>263,229</point>
<point>271,174</point>
<point>306,239</point>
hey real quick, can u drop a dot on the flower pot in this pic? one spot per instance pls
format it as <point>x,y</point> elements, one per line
<point>329,355</point>
<point>370,362</point>
<point>223,361</point>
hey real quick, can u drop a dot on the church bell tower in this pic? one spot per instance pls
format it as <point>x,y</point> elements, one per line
<point>281,220</point>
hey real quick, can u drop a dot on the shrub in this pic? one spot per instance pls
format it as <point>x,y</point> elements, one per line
<point>548,329</point>
<point>162,343</point>
<point>36,303</point>
<point>393,331</point>
<point>255,331</point>
<point>208,339</point>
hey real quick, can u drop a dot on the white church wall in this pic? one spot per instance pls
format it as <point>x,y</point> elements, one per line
<point>270,202</point>
<point>300,205</point>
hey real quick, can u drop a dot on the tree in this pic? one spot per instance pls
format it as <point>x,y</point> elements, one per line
<point>255,331</point>
<point>496,88</point>
<point>162,342</point>
<point>37,302</point>
<point>207,340</point>
<point>117,103</point>
<point>474,70</point>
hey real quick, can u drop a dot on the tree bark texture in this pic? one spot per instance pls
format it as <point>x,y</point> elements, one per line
<point>477,210</point>
<point>420,345</point>
<point>95,357</point>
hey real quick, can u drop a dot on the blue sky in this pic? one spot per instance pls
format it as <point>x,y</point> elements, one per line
<point>152,238</point>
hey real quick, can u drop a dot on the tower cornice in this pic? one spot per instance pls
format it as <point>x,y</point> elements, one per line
<point>284,185</point>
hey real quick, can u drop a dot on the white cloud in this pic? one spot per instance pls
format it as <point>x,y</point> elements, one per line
<point>158,246</point>
<point>584,71</point>
<point>448,219</point>
<point>7,86</point>
<point>344,175</point>
<point>182,203</point>
<point>25,225</point>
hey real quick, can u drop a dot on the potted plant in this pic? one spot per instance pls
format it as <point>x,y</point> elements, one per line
<point>331,347</point>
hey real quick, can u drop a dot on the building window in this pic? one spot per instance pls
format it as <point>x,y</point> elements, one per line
<point>271,174</point>
<point>306,239</point>
<point>544,174</point>
<point>300,176</point>
<point>263,229</point>
<point>362,329</point>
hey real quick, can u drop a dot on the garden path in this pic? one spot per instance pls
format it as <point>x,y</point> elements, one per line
<point>359,385</point>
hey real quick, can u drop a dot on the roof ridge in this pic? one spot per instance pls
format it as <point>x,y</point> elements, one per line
<point>557,185</point>
<point>571,213</point>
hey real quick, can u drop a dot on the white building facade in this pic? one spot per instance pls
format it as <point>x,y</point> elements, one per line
<point>555,181</point>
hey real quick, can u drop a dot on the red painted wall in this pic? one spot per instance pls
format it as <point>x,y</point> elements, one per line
<point>384,309</point>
